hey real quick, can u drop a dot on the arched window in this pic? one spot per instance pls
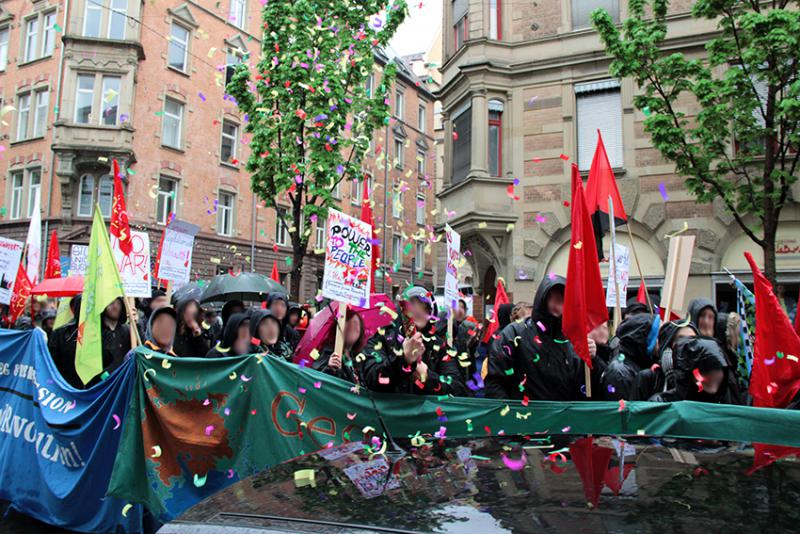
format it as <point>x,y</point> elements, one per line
<point>495,138</point>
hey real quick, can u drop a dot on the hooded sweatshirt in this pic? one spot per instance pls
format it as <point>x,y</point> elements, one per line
<point>186,343</point>
<point>696,306</point>
<point>280,349</point>
<point>150,341</point>
<point>637,352</point>
<point>62,343</point>
<point>225,345</point>
<point>535,355</point>
<point>288,334</point>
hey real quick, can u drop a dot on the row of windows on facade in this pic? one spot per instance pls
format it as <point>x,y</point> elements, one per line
<point>581,17</point>
<point>399,109</point>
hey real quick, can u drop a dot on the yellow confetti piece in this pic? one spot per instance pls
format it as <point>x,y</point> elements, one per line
<point>791,357</point>
<point>367,429</point>
<point>102,159</point>
<point>148,371</point>
<point>126,509</point>
<point>156,452</point>
<point>673,234</point>
<point>523,415</point>
<point>482,225</point>
<point>509,227</point>
<point>222,349</point>
<point>215,261</point>
<point>212,51</point>
<point>505,411</point>
<point>388,311</point>
<point>578,245</point>
<point>232,376</point>
<point>166,364</point>
<point>314,354</point>
<point>305,477</point>
<point>417,441</point>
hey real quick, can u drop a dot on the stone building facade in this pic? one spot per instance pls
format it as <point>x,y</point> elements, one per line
<point>525,88</point>
<point>84,81</point>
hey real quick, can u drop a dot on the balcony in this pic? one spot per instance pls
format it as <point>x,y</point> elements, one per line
<point>93,138</point>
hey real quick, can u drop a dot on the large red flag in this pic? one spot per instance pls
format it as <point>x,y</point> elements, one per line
<point>591,461</point>
<point>599,187</point>
<point>797,316</point>
<point>584,298</point>
<point>22,292</point>
<point>275,275</point>
<point>120,228</point>
<point>366,216</point>
<point>500,298</point>
<point>52,269</point>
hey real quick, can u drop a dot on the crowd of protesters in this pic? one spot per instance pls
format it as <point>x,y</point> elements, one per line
<point>527,357</point>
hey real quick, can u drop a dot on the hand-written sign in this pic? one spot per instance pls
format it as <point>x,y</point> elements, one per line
<point>134,269</point>
<point>348,260</point>
<point>622,255</point>
<point>451,268</point>
<point>10,256</point>
<point>78,256</point>
<point>175,262</point>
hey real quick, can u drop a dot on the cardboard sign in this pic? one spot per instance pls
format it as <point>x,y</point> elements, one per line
<point>134,269</point>
<point>451,266</point>
<point>176,252</point>
<point>370,477</point>
<point>622,255</point>
<point>10,256</point>
<point>78,255</point>
<point>348,260</point>
<point>679,262</point>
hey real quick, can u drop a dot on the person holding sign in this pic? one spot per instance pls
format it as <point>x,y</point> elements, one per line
<point>342,365</point>
<point>409,356</point>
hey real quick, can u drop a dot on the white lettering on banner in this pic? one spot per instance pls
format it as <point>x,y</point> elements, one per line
<point>21,428</point>
<point>46,398</point>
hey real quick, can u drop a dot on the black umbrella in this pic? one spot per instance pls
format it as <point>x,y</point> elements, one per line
<point>244,286</point>
<point>192,290</point>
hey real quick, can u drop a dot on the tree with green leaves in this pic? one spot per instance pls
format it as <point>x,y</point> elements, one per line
<point>307,105</point>
<point>743,144</point>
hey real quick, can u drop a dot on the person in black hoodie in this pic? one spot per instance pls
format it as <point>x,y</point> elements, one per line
<point>703,314</point>
<point>191,339</point>
<point>343,366</point>
<point>278,304</point>
<point>62,344</point>
<point>116,335</point>
<point>699,373</point>
<point>160,333</point>
<point>638,344</point>
<point>266,329</point>
<point>157,300</point>
<point>533,358</point>
<point>235,339</point>
<point>409,356</point>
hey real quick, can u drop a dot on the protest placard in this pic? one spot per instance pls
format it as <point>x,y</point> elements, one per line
<point>78,255</point>
<point>348,258</point>
<point>134,269</point>
<point>451,267</point>
<point>10,256</point>
<point>175,263</point>
<point>621,268</point>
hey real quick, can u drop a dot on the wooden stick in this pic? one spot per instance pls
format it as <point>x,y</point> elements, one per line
<point>169,292</point>
<point>671,279</point>
<point>613,266</point>
<point>341,319</point>
<point>450,328</point>
<point>639,267</point>
<point>135,341</point>
<point>588,376</point>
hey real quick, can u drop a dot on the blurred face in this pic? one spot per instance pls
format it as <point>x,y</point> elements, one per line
<point>461,311</point>
<point>555,302</point>
<point>163,330</point>
<point>684,331</point>
<point>158,302</point>
<point>294,318</point>
<point>114,310</point>
<point>190,312</point>
<point>242,343</point>
<point>712,381</point>
<point>278,309</point>
<point>418,311</point>
<point>706,322</point>
<point>268,331</point>
<point>600,334</point>
<point>352,331</point>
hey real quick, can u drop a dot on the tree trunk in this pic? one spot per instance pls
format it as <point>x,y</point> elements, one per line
<point>298,254</point>
<point>770,231</point>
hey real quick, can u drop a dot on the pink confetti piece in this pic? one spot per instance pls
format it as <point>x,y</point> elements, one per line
<point>541,326</point>
<point>515,465</point>
<point>384,380</point>
<point>317,385</point>
<point>246,378</point>
<point>302,390</point>
<point>351,416</point>
<point>116,421</point>
<point>227,411</point>
<point>564,157</point>
<point>209,430</point>
<point>566,429</point>
<point>663,189</point>
<point>230,473</point>
<point>206,402</point>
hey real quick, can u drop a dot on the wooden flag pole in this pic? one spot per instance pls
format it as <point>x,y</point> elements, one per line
<point>169,292</point>
<point>341,319</point>
<point>613,266</point>
<point>587,375</point>
<point>134,331</point>
<point>450,328</point>
<point>639,267</point>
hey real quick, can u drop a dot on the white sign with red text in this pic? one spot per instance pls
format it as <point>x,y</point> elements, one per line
<point>134,269</point>
<point>451,268</point>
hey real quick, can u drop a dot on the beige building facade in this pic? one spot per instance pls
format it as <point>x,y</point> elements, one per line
<point>525,87</point>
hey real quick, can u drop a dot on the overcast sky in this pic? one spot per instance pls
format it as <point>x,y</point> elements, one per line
<point>418,30</point>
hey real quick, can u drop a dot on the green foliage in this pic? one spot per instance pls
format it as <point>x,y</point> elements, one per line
<point>742,146</point>
<point>306,105</point>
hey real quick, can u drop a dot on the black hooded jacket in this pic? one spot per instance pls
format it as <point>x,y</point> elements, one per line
<point>347,371</point>
<point>464,333</point>
<point>186,343</point>
<point>281,348</point>
<point>620,377</point>
<point>526,360</point>
<point>698,305</point>
<point>116,342</point>
<point>704,354</point>
<point>62,343</point>
<point>224,347</point>
<point>288,334</point>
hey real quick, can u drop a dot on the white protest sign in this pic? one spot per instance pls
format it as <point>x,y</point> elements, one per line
<point>78,254</point>
<point>134,269</point>
<point>622,255</point>
<point>175,263</point>
<point>451,267</point>
<point>348,260</point>
<point>10,256</point>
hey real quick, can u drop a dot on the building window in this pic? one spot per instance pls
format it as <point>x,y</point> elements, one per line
<point>34,188</point>
<point>582,10</point>
<point>3,48</point>
<point>421,117</point>
<point>90,190</point>
<point>421,162</point>
<point>17,188</point>
<point>225,213</point>
<point>369,85</point>
<point>172,123</point>
<point>32,125</point>
<point>40,113</point>
<point>462,141</point>
<point>178,47</point>
<point>357,189</point>
<point>599,107</point>
<point>337,190</point>
<point>105,194</point>
<point>421,209</point>
<point>232,58</point>
<point>495,31</point>
<point>110,100</point>
<point>85,195</point>
<point>419,256</point>
<point>321,234</point>
<point>167,199</point>
<point>281,230</point>
<point>40,36</point>
<point>397,250</point>
<point>31,29</point>
<point>92,18</point>
<point>495,138</point>
<point>237,13</point>
<point>23,116</point>
<point>398,153</point>
<point>230,136</point>
<point>399,104</point>
<point>84,98</point>
<point>397,205</point>
<point>116,23</point>
<point>460,32</point>
<point>48,34</point>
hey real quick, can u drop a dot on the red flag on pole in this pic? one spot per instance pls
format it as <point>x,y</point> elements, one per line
<point>500,298</point>
<point>599,187</point>
<point>120,228</point>
<point>275,275</point>
<point>52,269</point>
<point>591,462</point>
<point>366,216</point>
<point>584,298</point>
<point>797,316</point>
<point>22,292</point>
<point>641,296</point>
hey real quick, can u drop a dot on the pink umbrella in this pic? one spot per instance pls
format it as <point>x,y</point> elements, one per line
<point>59,287</point>
<point>321,329</point>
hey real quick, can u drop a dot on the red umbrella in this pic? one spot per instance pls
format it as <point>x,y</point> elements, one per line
<point>321,329</point>
<point>59,287</point>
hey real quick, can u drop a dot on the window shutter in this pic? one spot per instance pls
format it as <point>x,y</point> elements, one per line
<point>599,110</point>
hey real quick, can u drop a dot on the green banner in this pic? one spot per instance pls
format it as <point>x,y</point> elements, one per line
<point>196,425</point>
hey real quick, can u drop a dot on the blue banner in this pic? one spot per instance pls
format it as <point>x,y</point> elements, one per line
<point>58,444</point>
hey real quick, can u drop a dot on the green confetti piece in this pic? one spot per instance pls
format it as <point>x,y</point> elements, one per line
<point>420,275</point>
<point>646,111</point>
<point>476,457</point>
<point>288,261</point>
<point>58,28</point>
<point>509,372</point>
<point>159,113</point>
<point>3,211</point>
<point>130,171</point>
<point>407,249</point>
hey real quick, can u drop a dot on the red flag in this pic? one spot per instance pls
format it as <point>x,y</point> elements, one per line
<point>366,216</point>
<point>641,296</point>
<point>797,316</point>
<point>275,275</point>
<point>120,228</point>
<point>22,292</point>
<point>591,461</point>
<point>584,298</point>
<point>500,297</point>
<point>52,269</point>
<point>599,187</point>
<point>157,263</point>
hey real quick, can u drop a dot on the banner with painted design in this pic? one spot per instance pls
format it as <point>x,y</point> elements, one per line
<point>134,268</point>
<point>348,260</point>
<point>175,255</point>
<point>58,444</point>
<point>451,266</point>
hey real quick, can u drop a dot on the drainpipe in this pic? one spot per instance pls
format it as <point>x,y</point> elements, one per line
<point>57,112</point>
